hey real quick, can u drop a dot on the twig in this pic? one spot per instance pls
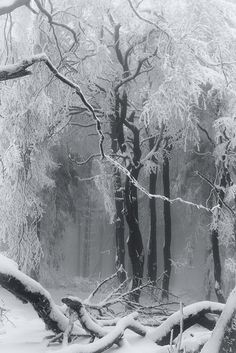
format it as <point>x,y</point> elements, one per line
<point>88,300</point>
<point>52,22</point>
<point>216,189</point>
<point>207,134</point>
<point>83,162</point>
<point>146,19</point>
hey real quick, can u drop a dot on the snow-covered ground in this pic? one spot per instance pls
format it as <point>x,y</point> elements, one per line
<point>28,335</point>
<point>25,332</point>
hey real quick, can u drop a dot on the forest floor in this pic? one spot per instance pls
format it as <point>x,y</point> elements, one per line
<point>26,333</point>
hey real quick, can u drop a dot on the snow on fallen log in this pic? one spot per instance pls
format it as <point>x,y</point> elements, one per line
<point>84,317</point>
<point>92,326</point>
<point>192,314</point>
<point>102,344</point>
<point>29,291</point>
<point>223,338</point>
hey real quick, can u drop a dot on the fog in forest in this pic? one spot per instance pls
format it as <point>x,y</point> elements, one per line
<point>117,176</point>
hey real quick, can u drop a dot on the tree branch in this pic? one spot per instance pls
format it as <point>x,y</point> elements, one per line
<point>156,196</point>
<point>20,69</point>
<point>207,134</point>
<point>146,20</point>
<point>52,22</point>
<point>12,5</point>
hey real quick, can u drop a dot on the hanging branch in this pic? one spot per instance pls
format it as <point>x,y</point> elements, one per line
<point>20,69</point>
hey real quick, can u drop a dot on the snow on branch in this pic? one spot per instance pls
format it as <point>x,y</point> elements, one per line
<point>20,69</point>
<point>113,337</point>
<point>156,196</point>
<point>223,338</point>
<point>192,314</point>
<point>29,291</point>
<point>92,327</point>
<point>84,317</point>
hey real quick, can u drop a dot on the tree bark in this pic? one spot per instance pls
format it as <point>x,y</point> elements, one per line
<point>119,204</point>
<point>135,243</point>
<point>225,179</point>
<point>152,242</point>
<point>167,222</point>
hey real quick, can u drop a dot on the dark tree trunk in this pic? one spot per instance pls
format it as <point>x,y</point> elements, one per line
<point>119,204</point>
<point>152,242</point>
<point>120,226</point>
<point>167,223</point>
<point>217,266</point>
<point>225,179</point>
<point>135,243</point>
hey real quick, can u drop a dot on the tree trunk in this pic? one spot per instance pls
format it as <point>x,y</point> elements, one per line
<point>225,179</point>
<point>120,226</point>
<point>135,243</point>
<point>29,291</point>
<point>119,204</point>
<point>167,222</point>
<point>86,245</point>
<point>217,266</point>
<point>152,243</point>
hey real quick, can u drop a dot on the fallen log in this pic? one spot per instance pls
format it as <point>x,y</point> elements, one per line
<point>107,341</point>
<point>84,317</point>
<point>192,314</point>
<point>29,291</point>
<point>90,325</point>
<point>223,338</point>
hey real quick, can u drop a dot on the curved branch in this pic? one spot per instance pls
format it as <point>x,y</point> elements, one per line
<point>52,22</point>
<point>29,291</point>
